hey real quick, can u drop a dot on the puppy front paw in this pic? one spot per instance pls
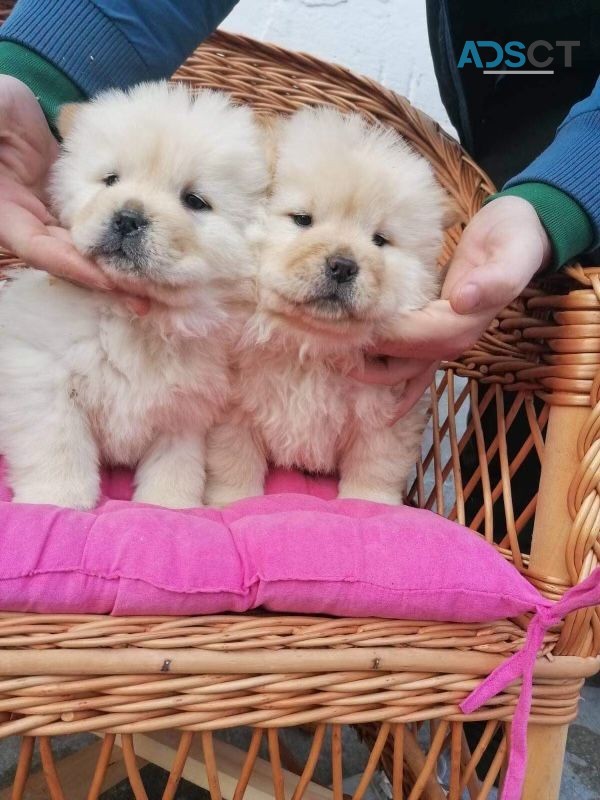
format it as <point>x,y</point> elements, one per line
<point>374,494</point>
<point>167,497</point>
<point>82,495</point>
<point>220,495</point>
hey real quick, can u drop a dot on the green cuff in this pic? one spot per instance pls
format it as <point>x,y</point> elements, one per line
<point>567,225</point>
<point>51,86</point>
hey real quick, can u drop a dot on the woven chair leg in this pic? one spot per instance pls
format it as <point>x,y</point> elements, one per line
<point>494,770</point>
<point>553,524</point>
<point>133,773</point>
<point>311,762</point>
<point>336,761</point>
<point>84,774</point>
<point>373,761</point>
<point>55,791</point>
<point>23,767</point>
<point>183,750</point>
<point>210,762</point>
<point>545,754</point>
<point>275,760</point>
<point>248,765</point>
<point>99,775</point>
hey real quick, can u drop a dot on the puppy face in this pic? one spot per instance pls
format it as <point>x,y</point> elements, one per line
<point>158,185</point>
<point>354,225</point>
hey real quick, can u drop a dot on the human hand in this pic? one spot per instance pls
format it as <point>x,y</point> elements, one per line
<point>27,228</point>
<point>500,251</point>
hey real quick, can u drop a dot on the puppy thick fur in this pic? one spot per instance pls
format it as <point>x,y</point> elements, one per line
<point>159,187</point>
<point>353,228</point>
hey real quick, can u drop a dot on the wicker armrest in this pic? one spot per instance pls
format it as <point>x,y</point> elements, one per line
<point>543,353</point>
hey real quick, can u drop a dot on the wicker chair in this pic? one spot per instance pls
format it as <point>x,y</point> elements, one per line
<point>159,688</point>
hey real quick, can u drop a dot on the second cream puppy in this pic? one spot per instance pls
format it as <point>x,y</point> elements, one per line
<point>353,228</point>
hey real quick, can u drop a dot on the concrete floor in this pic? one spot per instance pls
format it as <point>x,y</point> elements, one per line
<point>581,779</point>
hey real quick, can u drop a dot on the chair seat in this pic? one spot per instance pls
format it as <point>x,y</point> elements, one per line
<point>341,670</point>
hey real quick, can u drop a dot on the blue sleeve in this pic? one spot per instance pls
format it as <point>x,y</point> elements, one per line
<point>113,43</point>
<point>572,162</point>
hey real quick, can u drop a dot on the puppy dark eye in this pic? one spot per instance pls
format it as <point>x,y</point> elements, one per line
<point>379,240</point>
<point>194,201</point>
<point>110,180</point>
<point>302,220</point>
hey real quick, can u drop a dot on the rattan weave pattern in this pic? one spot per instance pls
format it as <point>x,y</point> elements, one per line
<point>67,673</point>
<point>216,701</point>
<point>240,633</point>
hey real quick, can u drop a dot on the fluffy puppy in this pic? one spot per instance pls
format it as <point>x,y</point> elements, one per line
<point>353,227</point>
<point>159,187</point>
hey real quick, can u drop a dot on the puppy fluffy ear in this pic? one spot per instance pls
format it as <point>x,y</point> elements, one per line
<point>269,124</point>
<point>66,118</point>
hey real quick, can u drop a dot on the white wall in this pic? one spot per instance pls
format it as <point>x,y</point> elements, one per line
<point>384,39</point>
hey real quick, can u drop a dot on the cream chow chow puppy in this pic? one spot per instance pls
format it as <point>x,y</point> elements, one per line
<point>159,187</point>
<point>353,228</point>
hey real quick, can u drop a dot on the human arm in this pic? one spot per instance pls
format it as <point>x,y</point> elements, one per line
<point>57,52</point>
<point>101,44</point>
<point>546,215</point>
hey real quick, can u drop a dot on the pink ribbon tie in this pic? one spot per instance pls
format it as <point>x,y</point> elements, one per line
<point>522,665</point>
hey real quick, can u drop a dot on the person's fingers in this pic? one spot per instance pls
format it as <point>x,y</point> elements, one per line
<point>139,306</point>
<point>27,146</point>
<point>414,390</point>
<point>14,193</point>
<point>389,371</point>
<point>35,206</point>
<point>489,287</point>
<point>27,237</point>
<point>435,332</point>
<point>50,248</point>
<point>62,259</point>
<point>59,233</point>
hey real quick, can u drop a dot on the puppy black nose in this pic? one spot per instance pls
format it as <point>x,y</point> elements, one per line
<point>341,270</point>
<point>126,222</point>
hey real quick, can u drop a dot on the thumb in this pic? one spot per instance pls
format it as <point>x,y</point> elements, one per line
<point>487,288</point>
<point>414,391</point>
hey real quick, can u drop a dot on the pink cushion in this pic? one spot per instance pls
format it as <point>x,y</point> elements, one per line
<point>295,550</point>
